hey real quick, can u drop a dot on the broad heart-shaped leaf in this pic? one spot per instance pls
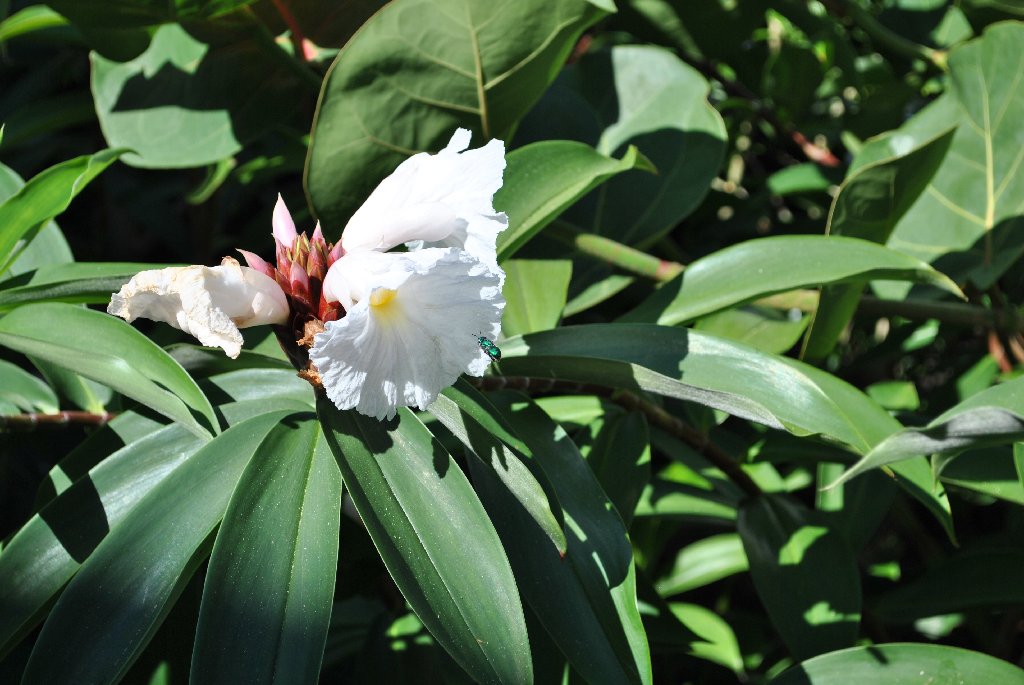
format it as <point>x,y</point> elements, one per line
<point>116,601</point>
<point>886,177</point>
<point>75,282</point>
<point>417,70</point>
<point>108,351</point>
<point>48,550</point>
<point>983,578</point>
<point>535,292</point>
<point>544,178</point>
<point>992,417</point>
<point>968,222</point>
<point>585,600</point>
<point>647,97</point>
<point>185,103</point>
<point>45,196</point>
<point>435,539</point>
<point>20,391</point>
<point>765,266</point>
<point>901,664</point>
<point>269,588</point>
<point>479,426</point>
<point>804,572</point>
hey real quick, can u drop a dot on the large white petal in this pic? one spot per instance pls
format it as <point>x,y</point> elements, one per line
<point>210,303</point>
<point>445,199</point>
<point>411,333</point>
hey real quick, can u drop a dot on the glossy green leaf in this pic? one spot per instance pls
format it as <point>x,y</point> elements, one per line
<point>535,292</point>
<point>75,282</point>
<point>109,351</point>
<point>586,599</point>
<point>47,247</point>
<point>716,640</point>
<point>439,65</point>
<point>766,329</point>
<point>476,423</point>
<point>804,573</point>
<point>275,558</point>
<point>646,97</point>
<point>430,529</point>
<point>85,394</point>
<point>544,178</point>
<point>187,103</point>
<point>620,457</point>
<point>969,220</point>
<point>766,266</point>
<point>704,562</point>
<point>48,550</point>
<point>29,19</point>
<point>23,392</point>
<point>901,664</point>
<point>991,417</point>
<point>689,365</point>
<point>886,177</point>
<point>144,12</point>
<point>994,471</point>
<point>152,555</point>
<point>45,196</point>
<point>982,578</point>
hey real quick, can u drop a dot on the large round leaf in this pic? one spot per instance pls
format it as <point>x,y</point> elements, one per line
<point>969,220</point>
<point>420,68</point>
<point>185,102</point>
<point>902,664</point>
<point>646,97</point>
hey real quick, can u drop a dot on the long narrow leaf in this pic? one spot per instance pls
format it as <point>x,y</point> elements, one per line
<point>435,539</point>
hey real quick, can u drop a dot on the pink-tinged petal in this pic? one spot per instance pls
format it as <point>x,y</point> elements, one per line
<point>284,226</point>
<point>336,253</point>
<point>210,303</point>
<point>318,235</point>
<point>256,262</point>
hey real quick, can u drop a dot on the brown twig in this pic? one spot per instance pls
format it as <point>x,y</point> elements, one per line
<point>23,423</point>
<point>633,402</point>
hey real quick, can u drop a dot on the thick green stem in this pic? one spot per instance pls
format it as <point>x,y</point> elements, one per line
<point>887,38</point>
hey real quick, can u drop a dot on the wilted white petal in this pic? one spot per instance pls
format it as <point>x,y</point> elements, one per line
<point>410,330</point>
<point>210,303</point>
<point>442,200</point>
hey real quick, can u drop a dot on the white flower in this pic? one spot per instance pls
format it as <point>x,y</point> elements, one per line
<point>442,200</point>
<point>410,330</point>
<point>210,303</point>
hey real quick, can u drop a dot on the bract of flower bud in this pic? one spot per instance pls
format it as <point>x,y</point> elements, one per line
<point>209,303</point>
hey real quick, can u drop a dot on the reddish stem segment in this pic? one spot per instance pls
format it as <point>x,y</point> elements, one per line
<point>33,421</point>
